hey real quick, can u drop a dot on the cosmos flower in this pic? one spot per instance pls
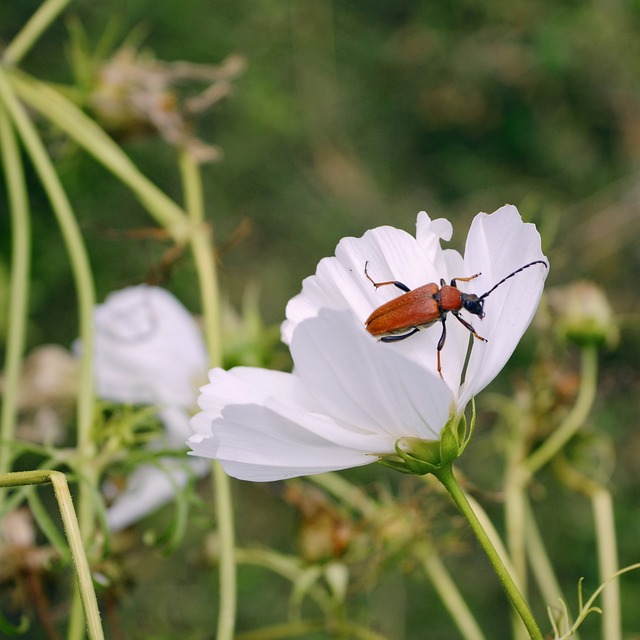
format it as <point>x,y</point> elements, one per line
<point>149,350</point>
<point>351,398</point>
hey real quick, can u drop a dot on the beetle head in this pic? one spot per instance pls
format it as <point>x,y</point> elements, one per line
<point>473,304</point>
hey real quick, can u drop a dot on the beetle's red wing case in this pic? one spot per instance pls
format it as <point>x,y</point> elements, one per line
<point>413,309</point>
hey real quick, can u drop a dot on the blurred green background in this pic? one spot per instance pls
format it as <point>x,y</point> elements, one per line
<point>356,114</point>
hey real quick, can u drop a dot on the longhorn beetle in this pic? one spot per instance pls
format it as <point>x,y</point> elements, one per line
<point>419,308</point>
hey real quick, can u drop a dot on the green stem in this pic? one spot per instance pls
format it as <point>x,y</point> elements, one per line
<point>201,239</point>
<point>19,293</point>
<point>607,562</point>
<point>32,30</point>
<point>514,507</point>
<point>72,531</point>
<point>53,106</point>
<point>541,567</point>
<point>574,420</point>
<point>449,593</point>
<point>202,246</point>
<point>86,301</point>
<point>77,255</point>
<point>447,479</point>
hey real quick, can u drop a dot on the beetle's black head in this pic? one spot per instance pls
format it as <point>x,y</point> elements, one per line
<point>473,304</point>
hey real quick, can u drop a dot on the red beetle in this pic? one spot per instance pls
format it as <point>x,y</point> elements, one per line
<point>419,308</point>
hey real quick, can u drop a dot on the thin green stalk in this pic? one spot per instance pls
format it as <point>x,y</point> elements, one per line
<point>77,254</point>
<point>514,506</point>
<point>449,593</point>
<point>201,239</point>
<point>32,30</point>
<point>446,477</point>
<point>72,531</point>
<point>53,106</point>
<point>576,417</point>
<point>19,293</point>
<point>603,517</point>
<point>202,247</point>
<point>541,567</point>
<point>494,536</point>
<point>86,301</point>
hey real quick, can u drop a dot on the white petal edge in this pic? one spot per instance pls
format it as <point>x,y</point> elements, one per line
<point>498,244</point>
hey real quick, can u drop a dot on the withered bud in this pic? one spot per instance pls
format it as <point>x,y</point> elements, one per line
<point>583,314</point>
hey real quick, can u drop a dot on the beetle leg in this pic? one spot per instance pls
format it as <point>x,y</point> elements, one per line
<point>441,342</point>
<point>395,283</point>
<point>473,277</point>
<point>468,326</point>
<point>399,337</point>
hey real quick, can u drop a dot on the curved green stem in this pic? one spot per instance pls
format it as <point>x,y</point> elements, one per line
<point>86,301</point>
<point>77,255</point>
<point>576,417</point>
<point>447,478</point>
<point>32,30</point>
<point>72,531</point>
<point>19,293</point>
<point>201,239</point>
<point>53,106</point>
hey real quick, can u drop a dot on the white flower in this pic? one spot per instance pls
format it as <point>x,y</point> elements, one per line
<point>149,350</point>
<point>351,397</point>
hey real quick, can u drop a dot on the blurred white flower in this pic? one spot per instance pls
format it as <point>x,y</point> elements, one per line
<point>351,397</point>
<point>150,350</point>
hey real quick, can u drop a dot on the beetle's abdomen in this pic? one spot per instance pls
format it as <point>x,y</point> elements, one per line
<point>413,309</point>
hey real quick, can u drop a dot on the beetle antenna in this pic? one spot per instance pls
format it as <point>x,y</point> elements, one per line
<point>526,266</point>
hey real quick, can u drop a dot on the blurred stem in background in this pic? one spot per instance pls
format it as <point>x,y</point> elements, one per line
<point>80,563</point>
<point>523,538</point>
<point>202,247</point>
<point>425,552</point>
<point>53,106</point>
<point>575,419</point>
<point>82,275</point>
<point>41,20</point>
<point>19,277</point>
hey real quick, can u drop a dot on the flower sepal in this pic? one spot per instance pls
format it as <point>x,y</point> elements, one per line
<point>420,457</point>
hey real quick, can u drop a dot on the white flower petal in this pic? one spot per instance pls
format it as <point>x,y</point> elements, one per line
<point>497,245</point>
<point>149,487</point>
<point>367,383</point>
<point>274,443</point>
<point>246,385</point>
<point>351,396</point>
<point>149,349</point>
<point>350,399</point>
<point>392,254</point>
